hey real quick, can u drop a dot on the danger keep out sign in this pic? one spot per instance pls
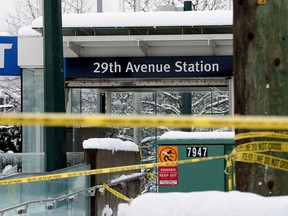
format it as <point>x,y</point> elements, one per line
<point>167,175</point>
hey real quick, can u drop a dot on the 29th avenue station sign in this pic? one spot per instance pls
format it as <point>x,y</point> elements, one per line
<point>134,67</point>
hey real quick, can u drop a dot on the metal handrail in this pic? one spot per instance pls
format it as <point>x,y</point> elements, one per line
<point>91,191</point>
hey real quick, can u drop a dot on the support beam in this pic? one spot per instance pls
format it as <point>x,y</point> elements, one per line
<point>212,46</point>
<point>74,47</point>
<point>99,6</point>
<point>143,46</point>
<point>54,96</point>
<point>137,5</point>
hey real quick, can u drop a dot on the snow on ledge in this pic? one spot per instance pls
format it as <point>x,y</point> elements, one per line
<point>181,135</point>
<point>110,144</point>
<point>28,31</point>
<point>208,203</point>
<point>124,178</point>
<point>144,19</point>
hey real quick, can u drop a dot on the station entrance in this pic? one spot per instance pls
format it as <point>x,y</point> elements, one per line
<point>158,95</point>
<point>149,86</point>
<point>127,65</point>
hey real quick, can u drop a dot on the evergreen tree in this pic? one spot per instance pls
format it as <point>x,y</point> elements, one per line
<point>10,139</point>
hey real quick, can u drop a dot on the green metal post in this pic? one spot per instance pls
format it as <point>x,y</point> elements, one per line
<point>54,96</point>
<point>187,5</point>
<point>186,106</point>
<point>186,96</point>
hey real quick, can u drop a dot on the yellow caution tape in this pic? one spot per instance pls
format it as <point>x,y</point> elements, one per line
<point>229,171</point>
<point>263,146</point>
<point>104,170</point>
<point>248,157</point>
<point>116,193</point>
<point>270,134</point>
<point>262,159</point>
<point>151,176</point>
<point>103,120</point>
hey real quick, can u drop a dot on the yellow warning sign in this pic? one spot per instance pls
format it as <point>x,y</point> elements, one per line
<point>167,153</point>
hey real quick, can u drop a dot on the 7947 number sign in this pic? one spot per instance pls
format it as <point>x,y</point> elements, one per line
<point>197,152</point>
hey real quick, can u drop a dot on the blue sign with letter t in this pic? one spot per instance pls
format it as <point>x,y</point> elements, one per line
<point>8,56</point>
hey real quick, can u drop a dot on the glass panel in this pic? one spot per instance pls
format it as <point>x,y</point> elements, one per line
<point>36,195</point>
<point>33,101</point>
<point>74,158</point>
<point>85,100</point>
<point>210,103</point>
<point>21,163</point>
<point>10,195</point>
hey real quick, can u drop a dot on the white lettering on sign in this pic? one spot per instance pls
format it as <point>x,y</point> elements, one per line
<point>178,67</point>
<point>196,67</point>
<point>105,67</point>
<point>144,68</point>
<point>3,47</point>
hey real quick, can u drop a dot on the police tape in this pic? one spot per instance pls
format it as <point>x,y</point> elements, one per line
<point>104,120</point>
<point>116,193</point>
<point>263,146</point>
<point>105,170</point>
<point>251,153</point>
<point>151,176</point>
<point>268,134</point>
<point>248,157</point>
<point>266,160</point>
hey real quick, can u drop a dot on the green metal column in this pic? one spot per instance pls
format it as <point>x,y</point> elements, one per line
<point>186,106</point>
<point>54,97</point>
<point>187,5</point>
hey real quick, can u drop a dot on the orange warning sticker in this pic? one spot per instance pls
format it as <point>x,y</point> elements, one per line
<point>167,153</point>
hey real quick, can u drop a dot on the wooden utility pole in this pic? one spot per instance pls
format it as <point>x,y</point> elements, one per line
<point>261,81</point>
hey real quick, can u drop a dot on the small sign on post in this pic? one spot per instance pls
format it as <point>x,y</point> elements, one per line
<point>261,2</point>
<point>168,175</point>
<point>167,153</point>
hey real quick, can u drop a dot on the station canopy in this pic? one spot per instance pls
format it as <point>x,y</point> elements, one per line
<point>146,34</point>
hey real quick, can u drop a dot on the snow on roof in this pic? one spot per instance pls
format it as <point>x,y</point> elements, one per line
<point>110,144</point>
<point>177,135</point>
<point>28,31</point>
<point>208,203</point>
<point>144,19</point>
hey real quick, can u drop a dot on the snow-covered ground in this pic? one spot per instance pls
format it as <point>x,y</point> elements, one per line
<point>209,203</point>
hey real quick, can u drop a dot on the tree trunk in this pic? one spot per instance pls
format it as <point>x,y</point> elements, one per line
<point>261,80</point>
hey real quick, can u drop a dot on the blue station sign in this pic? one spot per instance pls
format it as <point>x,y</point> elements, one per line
<point>145,67</point>
<point>8,56</point>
